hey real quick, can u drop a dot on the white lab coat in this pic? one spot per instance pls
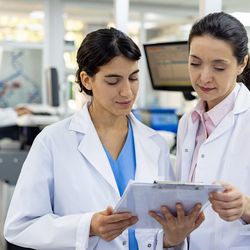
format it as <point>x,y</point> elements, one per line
<point>225,155</point>
<point>67,177</point>
<point>8,117</point>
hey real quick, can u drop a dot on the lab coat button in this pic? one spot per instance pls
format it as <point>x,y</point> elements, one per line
<point>149,245</point>
<point>124,243</point>
<point>202,156</point>
<point>186,150</point>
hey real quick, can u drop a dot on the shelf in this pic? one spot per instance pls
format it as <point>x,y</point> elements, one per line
<point>21,45</point>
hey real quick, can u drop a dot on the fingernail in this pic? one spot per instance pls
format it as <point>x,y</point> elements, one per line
<point>163,209</point>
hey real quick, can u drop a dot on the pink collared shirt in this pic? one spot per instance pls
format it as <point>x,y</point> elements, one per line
<point>208,121</point>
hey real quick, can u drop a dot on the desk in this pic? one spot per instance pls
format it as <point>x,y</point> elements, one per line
<point>36,120</point>
<point>11,162</point>
<point>10,165</point>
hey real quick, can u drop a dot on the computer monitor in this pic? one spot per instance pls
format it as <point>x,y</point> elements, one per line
<point>168,66</point>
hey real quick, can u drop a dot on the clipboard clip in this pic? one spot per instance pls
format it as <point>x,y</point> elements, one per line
<point>178,185</point>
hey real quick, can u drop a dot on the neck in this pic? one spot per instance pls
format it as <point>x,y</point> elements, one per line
<point>104,121</point>
<point>214,103</point>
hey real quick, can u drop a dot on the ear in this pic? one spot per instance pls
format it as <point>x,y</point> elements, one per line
<point>243,65</point>
<point>85,80</point>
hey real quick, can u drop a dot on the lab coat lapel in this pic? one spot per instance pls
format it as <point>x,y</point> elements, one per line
<point>188,149</point>
<point>147,152</point>
<point>91,147</point>
<point>223,127</point>
<point>242,104</point>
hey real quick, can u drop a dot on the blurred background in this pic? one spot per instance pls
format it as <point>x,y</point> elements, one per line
<point>38,44</point>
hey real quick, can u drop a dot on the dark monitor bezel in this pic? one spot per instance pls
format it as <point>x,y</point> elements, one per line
<point>164,87</point>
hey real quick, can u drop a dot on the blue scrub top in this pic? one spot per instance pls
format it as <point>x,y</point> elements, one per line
<point>124,170</point>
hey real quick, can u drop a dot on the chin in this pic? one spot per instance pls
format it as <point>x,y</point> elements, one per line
<point>124,112</point>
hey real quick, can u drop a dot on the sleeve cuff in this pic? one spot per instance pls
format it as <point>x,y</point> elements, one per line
<point>83,241</point>
<point>159,245</point>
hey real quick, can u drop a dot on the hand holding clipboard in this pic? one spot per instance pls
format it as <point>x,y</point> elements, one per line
<point>140,198</point>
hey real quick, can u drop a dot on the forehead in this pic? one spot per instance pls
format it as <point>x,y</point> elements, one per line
<point>119,64</point>
<point>210,47</point>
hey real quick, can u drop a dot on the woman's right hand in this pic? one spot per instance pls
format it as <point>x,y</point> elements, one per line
<point>108,226</point>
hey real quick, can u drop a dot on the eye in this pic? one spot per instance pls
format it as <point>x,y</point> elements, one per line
<point>219,68</point>
<point>133,78</point>
<point>195,64</point>
<point>112,80</point>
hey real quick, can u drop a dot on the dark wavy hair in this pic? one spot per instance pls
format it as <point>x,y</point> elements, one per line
<point>223,26</point>
<point>101,46</point>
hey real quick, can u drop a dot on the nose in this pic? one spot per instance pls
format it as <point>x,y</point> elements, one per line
<point>126,90</point>
<point>206,75</point>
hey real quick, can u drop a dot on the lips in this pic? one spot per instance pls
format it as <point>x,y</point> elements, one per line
<point>205,89</point>
<point>124,102</point>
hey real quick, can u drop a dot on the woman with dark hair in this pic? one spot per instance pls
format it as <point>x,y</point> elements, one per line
<point>78,168</point>
<point>213,138</point>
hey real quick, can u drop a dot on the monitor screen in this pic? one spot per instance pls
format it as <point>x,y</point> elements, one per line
<point>168,65</point>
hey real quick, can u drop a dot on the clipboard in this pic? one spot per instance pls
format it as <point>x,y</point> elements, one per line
<point>139,198</point>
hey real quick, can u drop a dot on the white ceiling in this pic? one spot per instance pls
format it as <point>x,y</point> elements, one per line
<point>102,10</point>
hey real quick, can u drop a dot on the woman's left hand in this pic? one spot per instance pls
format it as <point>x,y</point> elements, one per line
<point>231,204</point>
<point>177,228</point>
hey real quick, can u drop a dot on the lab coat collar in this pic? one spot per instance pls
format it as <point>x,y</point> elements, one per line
<point>242,103</point>
<point>222,127</point>
<point>243,100</point>
<point>81,121</point>
<point>91,148</point>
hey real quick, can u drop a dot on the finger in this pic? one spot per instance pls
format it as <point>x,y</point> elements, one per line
<point>110,235</point>
<point>116,232</point>
<point>227,213</point>
<point>118,217</point>
<point>121,225</point>
<point>225,196</point>
<point>226,185</point>
<point>199,220</point>
<point>195,212</point>
<point>157,217</point>
<point>227,205</point>
<point>180,211</point>
<point>167,214</point>
<point>100,222</point>
<point>230,218</point>
<point>109,210</point>
<point>232,213</point>
<point>133,220</point>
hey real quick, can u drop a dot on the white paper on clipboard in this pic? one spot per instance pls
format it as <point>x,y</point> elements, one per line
<point>139,198</point>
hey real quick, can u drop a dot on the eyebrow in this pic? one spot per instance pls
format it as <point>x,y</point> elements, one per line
<point>115,75</point>
<point>215,61</point>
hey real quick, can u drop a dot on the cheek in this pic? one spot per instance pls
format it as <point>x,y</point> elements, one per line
<point>191,72</point>
<point>135,88</point>
<point>193,76</point>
